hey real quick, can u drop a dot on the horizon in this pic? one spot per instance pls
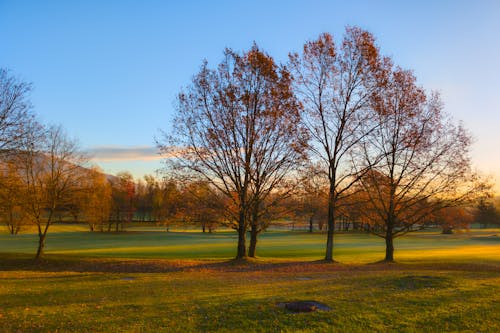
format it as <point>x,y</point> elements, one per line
<point>109,73</point>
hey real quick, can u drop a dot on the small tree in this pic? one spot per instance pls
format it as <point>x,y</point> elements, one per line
<point>50,165</point>
<point>202,205</point>
<point>167,202</point>
<point>96,199</point>
<point>486,214</point>
<point>11,199</point>
<point>123,203</point>
<point>453,218</point>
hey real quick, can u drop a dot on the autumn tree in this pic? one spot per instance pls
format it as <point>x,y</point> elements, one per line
<point>454,218</point>
<point>95,200</point>
<point>418,159</point>
<point>11,198</point>
<point>335,84</point>
<point>123,203</point>
<point>50,165</point>
<point>202,205</point>
<point>232,125</point>
<point>167,202</point>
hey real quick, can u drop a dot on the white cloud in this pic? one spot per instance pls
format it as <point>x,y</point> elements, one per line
<point>124,153</point>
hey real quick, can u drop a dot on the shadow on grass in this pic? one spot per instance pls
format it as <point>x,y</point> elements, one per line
<point>60,263</point>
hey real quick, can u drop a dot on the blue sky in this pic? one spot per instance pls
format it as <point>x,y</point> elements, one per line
<point>108,71</point>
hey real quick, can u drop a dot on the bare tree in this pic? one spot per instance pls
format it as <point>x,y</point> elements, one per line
<point>15,111</point>
<point>50,167</point>
<point>15,117</point>
<point>335,85</point>
<point>232,124</point>
<point>418,159</point>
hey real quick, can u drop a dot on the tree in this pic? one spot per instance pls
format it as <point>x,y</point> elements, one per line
<point>232,124</point>
<point>314,196</point>
<point>15,111</point>
<point>15,118</point>
<point>452,218</point>
<point>418,159</point>
<point>50,165</point>
<point>96,199</point>
<point>145,191</point>
<point>486,214</point>
<point>123,203</point>
<point>335,85</point>
<point>11,199</point>
<point>202,205</point>
<point>167,202</point>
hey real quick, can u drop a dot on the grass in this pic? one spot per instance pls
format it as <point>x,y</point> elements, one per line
<point>479,245</point>
<point>229,298</point>
<point>153,281</point>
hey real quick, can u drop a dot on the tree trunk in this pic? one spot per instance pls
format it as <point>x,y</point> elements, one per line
<point>389,243</point>
<point>311,224</point>
<point>241,252</point>
<point>41,245</point>
<point>331,226</point>
<point>254,232</point>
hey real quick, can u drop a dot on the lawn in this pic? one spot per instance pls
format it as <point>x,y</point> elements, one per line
<point>153,281</point>
<point>478,245</point>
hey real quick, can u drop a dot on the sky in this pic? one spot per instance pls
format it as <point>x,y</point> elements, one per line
<point>109,71</point>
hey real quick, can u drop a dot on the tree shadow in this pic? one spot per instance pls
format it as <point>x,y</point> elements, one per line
<point>61,263</point>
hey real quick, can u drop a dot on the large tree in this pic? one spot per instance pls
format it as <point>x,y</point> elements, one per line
<point>418,159</point>
<point>335,84</point>
<point>238,127</point>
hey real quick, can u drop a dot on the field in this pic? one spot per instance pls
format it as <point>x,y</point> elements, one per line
<point>147,280</point>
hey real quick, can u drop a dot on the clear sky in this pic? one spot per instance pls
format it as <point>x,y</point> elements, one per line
<point>108,71</point>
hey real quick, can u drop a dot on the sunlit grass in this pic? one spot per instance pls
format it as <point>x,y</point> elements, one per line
<point>479,245</point>
<point>365,299</point>
<point>148,280</point>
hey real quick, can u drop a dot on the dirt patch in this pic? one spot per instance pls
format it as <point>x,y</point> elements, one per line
<point>303,306</point>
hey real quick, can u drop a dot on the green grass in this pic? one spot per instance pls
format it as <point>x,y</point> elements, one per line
<point>479,245</point>
<point>147,280</point>
<point>234,298</point>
